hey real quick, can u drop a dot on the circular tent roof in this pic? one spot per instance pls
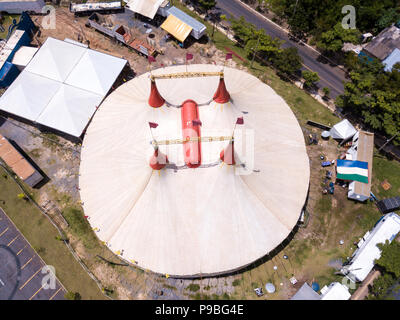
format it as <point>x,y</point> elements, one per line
<point>209,220</point>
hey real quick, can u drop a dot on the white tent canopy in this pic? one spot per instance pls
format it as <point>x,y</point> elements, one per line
<point>62,86</point>
<point>363,259</point>
<point>207,220</point>
<point>343,130</point>
<point>335,291</point>
<point>147,8</point>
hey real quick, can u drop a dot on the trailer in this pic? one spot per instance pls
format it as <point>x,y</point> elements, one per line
<point>120,34</point>
<point>84,9</point>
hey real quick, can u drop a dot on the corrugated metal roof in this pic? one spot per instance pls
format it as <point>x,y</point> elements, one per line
<point>196,25</point>
<point>384,43</point>
<point>179,29</point>
<point>392,59</point>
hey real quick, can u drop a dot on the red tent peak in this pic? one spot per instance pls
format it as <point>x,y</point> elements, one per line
<point>221,95</point>
<point>158,160</point>
<point>155,99</point>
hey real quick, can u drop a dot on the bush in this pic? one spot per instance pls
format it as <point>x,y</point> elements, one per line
<point>72,296</point>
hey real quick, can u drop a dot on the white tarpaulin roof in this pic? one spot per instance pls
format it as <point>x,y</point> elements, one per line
<point>24,55</point>
<point>194,221</point>
<point>147,8</point>
<point>62,86</point>
<point>343,130</point>
<point>336,291</point>
<point>363,259</point>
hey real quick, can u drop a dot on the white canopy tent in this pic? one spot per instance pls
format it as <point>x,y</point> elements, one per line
<point>147,8</point>
<point>363,259</point>
<point>208,220</point>
<point>62,86</point>
<point>343,130</point>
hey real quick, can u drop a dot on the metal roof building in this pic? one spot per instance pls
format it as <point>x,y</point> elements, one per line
<point>384,43</point>
<point>392,59</point>
<point>362,149</point>
<point>182,21</point>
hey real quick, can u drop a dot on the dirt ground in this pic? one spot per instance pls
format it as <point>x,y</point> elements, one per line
<point>69,26</point>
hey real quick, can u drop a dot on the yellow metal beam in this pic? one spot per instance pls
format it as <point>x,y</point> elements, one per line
<point>201,139</point>
<point>187,75</point>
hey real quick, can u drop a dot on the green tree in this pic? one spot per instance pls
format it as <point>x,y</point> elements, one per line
<point>374,96</point>
<point>72,296</point>
<point>326,91</point>
<point>310,78</point>
<point>255,40</point>
<point>390,258</point>
<point>206,5</point>
<point>333,40</point>
<point>288,61</point>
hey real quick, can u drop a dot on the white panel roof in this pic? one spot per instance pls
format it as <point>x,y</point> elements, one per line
<point>336,291</point>
<point>95,72</point>
<point>62,86</point>
<point>147,8</point>
<point>364,258</point>
<point>70,110</point>
<point>55,59</point>
<point>28,95</point>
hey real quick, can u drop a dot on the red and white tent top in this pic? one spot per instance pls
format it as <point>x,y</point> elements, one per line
<point>208,220</point>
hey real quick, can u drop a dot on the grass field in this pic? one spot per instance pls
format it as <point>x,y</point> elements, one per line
<point>42,236</point>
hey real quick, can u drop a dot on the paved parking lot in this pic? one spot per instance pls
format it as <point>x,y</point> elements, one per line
<point>21,269</point>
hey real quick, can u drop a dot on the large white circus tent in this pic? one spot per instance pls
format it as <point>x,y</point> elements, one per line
<point>188,207</point>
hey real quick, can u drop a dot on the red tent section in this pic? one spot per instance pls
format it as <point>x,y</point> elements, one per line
<point>155,99</point>
<point>158,160</point>
<point>227,155</point>
<point>221,95</point>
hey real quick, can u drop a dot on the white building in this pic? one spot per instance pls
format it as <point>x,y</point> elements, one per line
<point>362,149</point>
<point>363,259</point>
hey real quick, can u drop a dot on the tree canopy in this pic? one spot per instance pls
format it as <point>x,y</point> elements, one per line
<point>374,96</point>
<point>390,258</point>
<point>333,40</point>
<point>314,17</point>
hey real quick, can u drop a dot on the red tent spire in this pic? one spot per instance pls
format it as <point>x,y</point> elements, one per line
<point>221,95</point>
<point>155,99</point>
<point>227,155</point>
<point>158,160</point>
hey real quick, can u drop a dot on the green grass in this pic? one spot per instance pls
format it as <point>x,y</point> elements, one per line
<point>7,21</point>
<point>42,235</point>
<point>194,287</point>
<point>80,227</point>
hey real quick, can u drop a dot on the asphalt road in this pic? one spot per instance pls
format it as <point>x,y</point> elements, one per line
<point>331,76</point>
<point>21,269</point>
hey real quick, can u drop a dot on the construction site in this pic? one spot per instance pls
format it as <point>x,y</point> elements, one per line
<point>162,164</point>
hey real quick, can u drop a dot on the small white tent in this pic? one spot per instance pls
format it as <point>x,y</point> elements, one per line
<point>343,130</point>
<point>147,8</point>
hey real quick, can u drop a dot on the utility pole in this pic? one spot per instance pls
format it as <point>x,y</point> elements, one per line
<point>387,141</point>
<point>255,51</point>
